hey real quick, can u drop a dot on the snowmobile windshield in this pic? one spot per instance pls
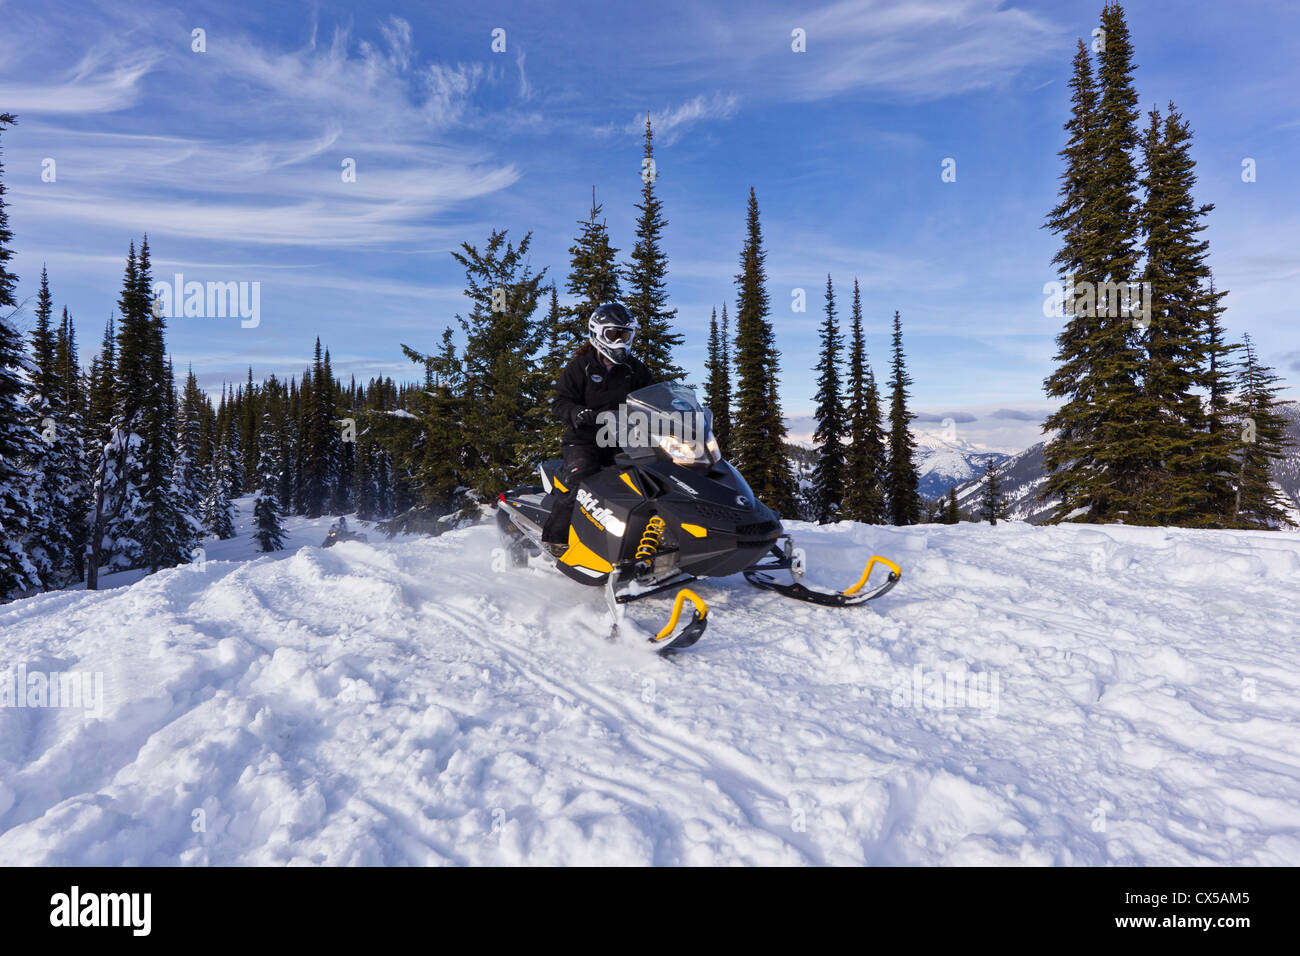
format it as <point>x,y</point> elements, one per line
<point>667,420</point>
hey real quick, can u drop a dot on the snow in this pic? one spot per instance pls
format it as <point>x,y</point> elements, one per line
<point>1026,695</point>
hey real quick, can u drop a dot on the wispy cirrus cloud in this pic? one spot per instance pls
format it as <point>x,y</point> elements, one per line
<point>275,175</point>
<point>911,50</point>
<point>671,122</point>
<point>106,80</point>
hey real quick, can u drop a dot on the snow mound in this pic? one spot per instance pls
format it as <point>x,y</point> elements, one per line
<point>1060,695</point>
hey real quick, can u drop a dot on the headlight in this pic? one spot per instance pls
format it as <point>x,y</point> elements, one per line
<point>681,452</point>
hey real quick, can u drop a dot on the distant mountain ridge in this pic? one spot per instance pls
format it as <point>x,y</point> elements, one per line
<point>1023,474</point>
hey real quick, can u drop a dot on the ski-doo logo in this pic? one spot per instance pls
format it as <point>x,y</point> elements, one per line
<point>600,514</point>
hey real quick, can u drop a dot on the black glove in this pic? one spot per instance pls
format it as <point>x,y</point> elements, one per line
<point>584,418</point>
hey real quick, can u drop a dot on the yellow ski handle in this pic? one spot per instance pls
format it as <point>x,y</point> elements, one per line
<point>684,595</point>
<point>866,573</point>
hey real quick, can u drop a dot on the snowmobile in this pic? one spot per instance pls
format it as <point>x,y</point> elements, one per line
<point>668,512</point>
<point>340,532</point>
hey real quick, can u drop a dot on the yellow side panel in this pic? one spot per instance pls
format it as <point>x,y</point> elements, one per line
<point>628,482</point>
<point>694,529</point>
<point>579,555</point>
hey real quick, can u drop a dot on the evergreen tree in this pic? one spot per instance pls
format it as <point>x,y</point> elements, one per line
<point>1263,441</point>
<point>992,504</point>
<point>119,536</point>
<point>317,466</point>
<point>218,510</point>
<point>757,443</point>
<point>101,401</point>
<point>364,484</point>
<point>722,413</point>
<point>951,511</point>
<point>436,459</point>
<point>645,272</point>
<point>188,475</point>
<point>74,462</point>
<point>593,278</point>
<point>1095,459</point>
<point>68,366</point>
<point>864,465</point>
<point>54,476</point>
<point>828,473</point>
<point>506,395</point>
<point>901,481</point>
<point>18,444</point>
<point>1217,382</point>
<point>1188,475</point>
<point>268,531</point>
<point>166,529</point>
<point>717,385</point>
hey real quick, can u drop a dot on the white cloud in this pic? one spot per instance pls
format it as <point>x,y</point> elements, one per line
<point>104,81</point>
<point>903,49</point>
<point>670,122</point>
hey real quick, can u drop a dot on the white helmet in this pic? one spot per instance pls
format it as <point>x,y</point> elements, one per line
<point>612,329</point>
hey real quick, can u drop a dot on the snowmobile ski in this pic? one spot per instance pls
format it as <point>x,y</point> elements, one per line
<point>793,561</point>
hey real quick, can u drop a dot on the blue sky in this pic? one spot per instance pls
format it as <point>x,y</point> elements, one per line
<point>230,159</point>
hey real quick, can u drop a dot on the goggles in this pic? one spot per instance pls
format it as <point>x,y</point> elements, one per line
<point>615,335</point>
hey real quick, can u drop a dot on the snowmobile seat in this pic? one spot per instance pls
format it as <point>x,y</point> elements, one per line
<point>549,471</point>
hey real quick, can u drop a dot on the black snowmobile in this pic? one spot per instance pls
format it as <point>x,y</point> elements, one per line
<point>339,531</point>
<point>669,511</point>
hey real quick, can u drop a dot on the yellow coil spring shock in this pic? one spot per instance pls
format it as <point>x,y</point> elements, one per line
<point>650,538</point>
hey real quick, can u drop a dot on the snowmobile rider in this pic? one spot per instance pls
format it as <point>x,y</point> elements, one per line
<point>597,379</point>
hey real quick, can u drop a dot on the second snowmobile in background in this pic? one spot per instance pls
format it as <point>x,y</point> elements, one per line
<point>339,531</point>
<point>668,512</point>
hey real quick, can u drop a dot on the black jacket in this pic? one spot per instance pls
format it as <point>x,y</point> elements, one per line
<point>587,383</point>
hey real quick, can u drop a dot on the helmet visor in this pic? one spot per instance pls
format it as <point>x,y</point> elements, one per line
<point>616,335</point>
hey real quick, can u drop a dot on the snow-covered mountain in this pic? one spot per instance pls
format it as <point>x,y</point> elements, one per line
<point>1023,474</point>
<point>942,463</point>
<point>1025,695</point>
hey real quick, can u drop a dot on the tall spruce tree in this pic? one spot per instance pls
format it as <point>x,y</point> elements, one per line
<point>1263,442</point>
<point>722,414</point>
<point>901,480</point>
<point>1177,488</point>
<point>1217,383</point>
<point>55,471</point>
<point>1095,459</point>
<point>593,278</point>
<point>864,464</point>
<point>316,468</point>
<point>646,270</point>
<point>119,535</point>
<point>434,462</point>
<point>18,443</point>
<point>504,388</point>
<point>188,474</point>
<point>757,444</point>
<point>717,384</point>
<point>76,462</point>
<point>166,528</point>
<point>828,481</point>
